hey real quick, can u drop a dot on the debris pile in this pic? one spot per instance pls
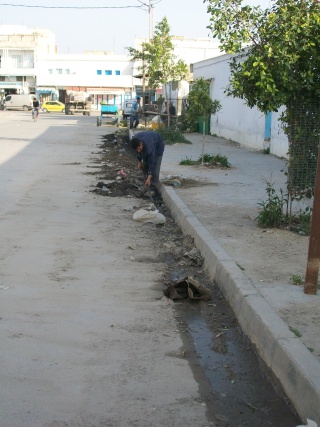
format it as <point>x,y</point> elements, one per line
<point>187,288</point>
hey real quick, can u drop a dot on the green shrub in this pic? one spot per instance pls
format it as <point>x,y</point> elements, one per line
<point>172,135</point>
<point>271,214</point>
<point>188,162</point>
<point>215,160</point>
<point>209,159</point>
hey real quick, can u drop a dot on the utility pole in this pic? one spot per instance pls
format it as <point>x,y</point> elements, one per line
<point>149,7</point>
<point>312,273</point>
<point>150,11</point>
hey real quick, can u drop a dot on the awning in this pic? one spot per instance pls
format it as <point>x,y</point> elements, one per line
<point>45,90</point>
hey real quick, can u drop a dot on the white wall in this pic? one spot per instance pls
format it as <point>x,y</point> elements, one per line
<point>81,70</point>
<point>236,121</point>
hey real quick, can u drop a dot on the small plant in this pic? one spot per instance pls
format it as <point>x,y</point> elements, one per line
<point>271,214</point>
<point>209,160</point>
<point>187,162</point>
<point>302,223</point>
<point>296,332</point>
<point>296,279</point>
<point>172,135</point>
<point>266,150</point>
<point>215,160</point>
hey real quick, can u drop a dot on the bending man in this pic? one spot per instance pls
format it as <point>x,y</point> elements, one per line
<point>150,148</point>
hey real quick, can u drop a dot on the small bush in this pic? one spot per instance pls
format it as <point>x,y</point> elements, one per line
<point>172,135</point>
<point>296,279</point>
<point>188,162</point>
<point>215,160</point>
<point>271,214</point>
<point>209,160</point>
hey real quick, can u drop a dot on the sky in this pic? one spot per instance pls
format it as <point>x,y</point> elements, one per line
<point>111,28</point>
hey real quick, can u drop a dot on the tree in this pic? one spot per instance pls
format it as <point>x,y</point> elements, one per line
<point>277,59</point>
<point>158,60</point>
<point>277,63</point>
<point>201,105</point>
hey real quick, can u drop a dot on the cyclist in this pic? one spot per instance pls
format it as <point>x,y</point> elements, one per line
<point>35,109</point>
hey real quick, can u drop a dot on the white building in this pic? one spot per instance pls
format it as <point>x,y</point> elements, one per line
<point>20,49</point>
<point>29,64</point>
<point>104,76</point>
<point>236,121</point>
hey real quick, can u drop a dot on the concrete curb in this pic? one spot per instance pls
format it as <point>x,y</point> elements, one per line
<point>291,362</point>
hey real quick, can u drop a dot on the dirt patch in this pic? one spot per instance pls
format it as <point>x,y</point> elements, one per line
<point>116,168</point>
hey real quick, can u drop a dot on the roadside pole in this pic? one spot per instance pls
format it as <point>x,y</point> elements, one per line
<point>312,273</point>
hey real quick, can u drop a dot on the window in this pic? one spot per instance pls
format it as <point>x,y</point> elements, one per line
<point>108,72</point>
<point>59,70</point>
<point>117,72</point>
<point>99,72</point>
<point>21,58</point>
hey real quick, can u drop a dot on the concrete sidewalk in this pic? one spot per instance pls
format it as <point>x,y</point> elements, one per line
<point>252,266</point>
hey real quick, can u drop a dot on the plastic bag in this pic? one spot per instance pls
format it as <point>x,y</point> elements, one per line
<point>155,217</point>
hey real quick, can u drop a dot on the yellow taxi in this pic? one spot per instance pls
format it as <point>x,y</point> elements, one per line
<point>53,106</point>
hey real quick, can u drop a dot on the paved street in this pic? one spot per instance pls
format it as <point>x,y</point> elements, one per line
<point>85,338</point>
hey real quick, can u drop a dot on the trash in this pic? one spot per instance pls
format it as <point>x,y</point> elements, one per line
<point>100,184</point>
<point>154,217</point>
<point>187,288</point>
<point>174,180</point>
<point>195,256</point>
<point>122,173</point>
<point>128,208</point>
<point>310,423</point>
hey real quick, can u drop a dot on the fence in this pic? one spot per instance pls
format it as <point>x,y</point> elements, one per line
<point>302,125</point>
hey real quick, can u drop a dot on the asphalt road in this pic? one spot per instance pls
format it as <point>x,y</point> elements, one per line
<point>85,338</point>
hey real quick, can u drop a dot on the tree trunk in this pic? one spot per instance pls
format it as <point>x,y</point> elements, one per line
<point>203,137</point>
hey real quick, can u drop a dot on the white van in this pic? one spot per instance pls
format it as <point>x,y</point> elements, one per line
<point>16,102</point>
<point>127,105</point>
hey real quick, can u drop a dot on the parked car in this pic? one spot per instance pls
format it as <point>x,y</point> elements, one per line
<point>53,106</point>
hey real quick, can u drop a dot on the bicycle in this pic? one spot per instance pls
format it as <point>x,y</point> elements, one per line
<point>35,113</point>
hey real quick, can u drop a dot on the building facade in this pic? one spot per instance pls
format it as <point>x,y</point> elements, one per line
<point>20,50</point>
<point>236,121</point>
<point>29,63</point>
<point>105,77</point>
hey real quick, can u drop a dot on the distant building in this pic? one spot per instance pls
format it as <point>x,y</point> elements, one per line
<point>20,48</point>
<point>236,121</point>
<point>29,63</point>
<point>106,77</point>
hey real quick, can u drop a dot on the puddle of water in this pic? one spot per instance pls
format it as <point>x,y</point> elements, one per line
<point>243,395</point>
